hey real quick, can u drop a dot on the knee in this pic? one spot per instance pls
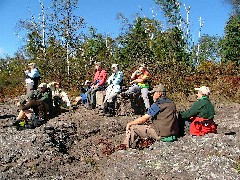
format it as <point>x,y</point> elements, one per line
<point>132,128</point>
<point>144,96</point>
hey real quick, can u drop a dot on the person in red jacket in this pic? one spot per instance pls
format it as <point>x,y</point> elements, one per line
<point>98,84</point>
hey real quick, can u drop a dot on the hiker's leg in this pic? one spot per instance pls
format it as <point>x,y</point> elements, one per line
<point>42,110</point>
<point>111,96</point>
<point>29,88</point>
<point>137,132</point>
<point>31,104</point>
<point>133,89</point>
<point>93,97</point>
<point>88,94</point>
<point>144,92</point>
<point>145,131</point>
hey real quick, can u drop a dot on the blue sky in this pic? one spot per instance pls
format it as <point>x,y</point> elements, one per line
<point>101,14</point>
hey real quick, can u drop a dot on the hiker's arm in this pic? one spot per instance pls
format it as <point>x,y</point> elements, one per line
<point>137,121</point>
<point>193,111</point>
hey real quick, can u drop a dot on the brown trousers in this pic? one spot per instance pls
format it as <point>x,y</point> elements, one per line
<point>39,107</point>
<point>138,132</point>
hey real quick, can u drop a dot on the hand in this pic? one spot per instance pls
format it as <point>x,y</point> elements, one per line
<point>137,71</point>
<point>128,127</point>
<point>19,104</point>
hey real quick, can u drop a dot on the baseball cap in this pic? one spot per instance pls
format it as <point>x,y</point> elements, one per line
<point>158,88</point>
<point>43,85</point>
<point>114,65</point>
<point>205,90</point>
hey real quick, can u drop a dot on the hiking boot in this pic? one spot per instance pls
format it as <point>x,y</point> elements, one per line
<point>93,106</point>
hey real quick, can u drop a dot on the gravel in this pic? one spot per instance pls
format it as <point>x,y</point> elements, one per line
<point>80,144</point>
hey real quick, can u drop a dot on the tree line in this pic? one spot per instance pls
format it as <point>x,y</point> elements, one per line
<point>56,43</point>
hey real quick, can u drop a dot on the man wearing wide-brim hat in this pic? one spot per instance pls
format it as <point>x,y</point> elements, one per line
<point>163,125</point>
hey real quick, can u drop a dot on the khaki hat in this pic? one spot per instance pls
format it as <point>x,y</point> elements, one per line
<point>98,63</point>
<point>43,85</point>
<point>205,90</point>
<point>32,64</point>
<point>114,65</point>
<point>158,88</point>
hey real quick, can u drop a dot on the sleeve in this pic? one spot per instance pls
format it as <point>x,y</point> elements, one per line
<point>193,111</point>
<point>34,73</point>
<point>103,79</point>
<point>109,81</point>
<point>153,110</point>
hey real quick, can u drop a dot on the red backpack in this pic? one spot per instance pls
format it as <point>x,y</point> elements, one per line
<point>202,126</point>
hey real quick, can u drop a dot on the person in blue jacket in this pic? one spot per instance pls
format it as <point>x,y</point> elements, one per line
<point>32,78</point>
<point>83,96</point>
<point>114,87</point>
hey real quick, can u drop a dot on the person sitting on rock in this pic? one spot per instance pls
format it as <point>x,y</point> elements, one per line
<point>163,125</point>
<point>140,84</point>
<point>60,97</point>
<point>37,104</point>
<point>113,88</point>
<point>83,97</point>
<point>200,115</point>
<point>98,84</point>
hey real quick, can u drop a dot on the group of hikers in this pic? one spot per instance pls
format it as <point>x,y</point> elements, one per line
<point>160,121</point>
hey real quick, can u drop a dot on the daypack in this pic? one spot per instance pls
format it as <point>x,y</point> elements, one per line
<point>202,126</point>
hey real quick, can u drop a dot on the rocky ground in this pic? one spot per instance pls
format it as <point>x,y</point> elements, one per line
<point>80,144</point>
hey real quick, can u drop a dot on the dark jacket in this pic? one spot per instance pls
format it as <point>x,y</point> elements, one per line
<point>202,108</point>
<point>43,96</point>
<point>165,121</point>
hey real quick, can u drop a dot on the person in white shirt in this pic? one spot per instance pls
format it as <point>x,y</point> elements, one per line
<point>32,78</point>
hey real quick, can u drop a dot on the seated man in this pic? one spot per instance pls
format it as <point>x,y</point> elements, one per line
<point>60,97</point>
<point>140,84</point>
<point>98,84</point>
<point>200,115</point>
<point>114,87</point>
<point>38,103</point>
<point>164,125</point>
